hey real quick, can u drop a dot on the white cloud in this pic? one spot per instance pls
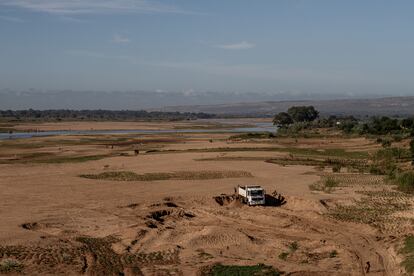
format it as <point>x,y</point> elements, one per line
<point>11,19</point>
<point>120,39</point>
<point>244,45</point>
<point>92,6</point>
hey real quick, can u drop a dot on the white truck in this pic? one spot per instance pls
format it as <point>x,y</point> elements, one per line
<point>251,195</point>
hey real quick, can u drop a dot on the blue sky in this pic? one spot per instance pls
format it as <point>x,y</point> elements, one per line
<point>357,47</point>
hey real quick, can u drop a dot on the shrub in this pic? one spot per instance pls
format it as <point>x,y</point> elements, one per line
<point>405,182</point>
<point>336,168</point>
<point>330,183</point>
<point>397,138</point>
<point>326,185</point>
<point>386,143</point>
<point>293,246</point>
<point>10,265</point>
<point>408,251</point>
<point>283,255</point>
<point>384,162</point>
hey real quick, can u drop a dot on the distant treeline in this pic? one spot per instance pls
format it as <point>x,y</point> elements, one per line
<point>302,118</point>
<point>105,115</point>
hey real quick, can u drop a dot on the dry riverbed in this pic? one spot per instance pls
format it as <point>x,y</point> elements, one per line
<point>144,205</point>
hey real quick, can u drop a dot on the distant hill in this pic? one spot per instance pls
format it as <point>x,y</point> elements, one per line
<point>390,106</point>
<point>231,103</point>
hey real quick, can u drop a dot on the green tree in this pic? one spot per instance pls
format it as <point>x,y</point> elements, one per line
<point>282,119</point>
<point>407,123</point>
<point>303,113</point>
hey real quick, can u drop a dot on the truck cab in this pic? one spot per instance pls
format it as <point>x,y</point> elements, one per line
<point>252,195</point>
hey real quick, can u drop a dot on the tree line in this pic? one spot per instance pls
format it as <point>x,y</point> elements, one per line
<point>298,118</point>
<point>109,115</point>
<point>388,160</point>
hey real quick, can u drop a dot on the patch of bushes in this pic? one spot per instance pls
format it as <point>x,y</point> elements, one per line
<point>405,182</point>
<point>181,175</point>
<point>325,185</point>
<point>408,252</point>
<point>336,168</point>
<point>386,143</point>
<point>293,246</point>
<point>253,135</point>
<point>10,265</point>
<point>397,138</point>
<point>283,256</point>
<point>331,153</point>
<point>236,270</point>
<point>412,150</point>
<point>333,254</point>
<point>384,161</point>
<point>49,158</point>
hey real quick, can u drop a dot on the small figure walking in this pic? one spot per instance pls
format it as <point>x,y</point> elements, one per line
<point>367,267</point>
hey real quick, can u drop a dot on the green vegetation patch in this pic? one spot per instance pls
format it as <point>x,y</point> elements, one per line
<point>405,182</point>
<point>408,252</point>
<point>253,135</point>
<point>72,159</point>
<point>359,165</point>
<point>180,175</point>
<point>235,270</point>
<point>292,247</point>
<point>283,256</point>
<point>386,161</point>
<point>10,266</point>
<point>235,158</point>
<point>326,184</point>
<point>50,158</point>
<point>333,254</point>
<point>339,153</point>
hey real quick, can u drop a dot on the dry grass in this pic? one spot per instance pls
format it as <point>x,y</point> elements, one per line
<point>371,210</point>
<point>70,255</point>
<point>180,175</point>
<point>355,180</point>
<point>329,181</point>
<point>327,184</point>
<point>234,158</point>
<point>338,153</point>
<point>378,209</point>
